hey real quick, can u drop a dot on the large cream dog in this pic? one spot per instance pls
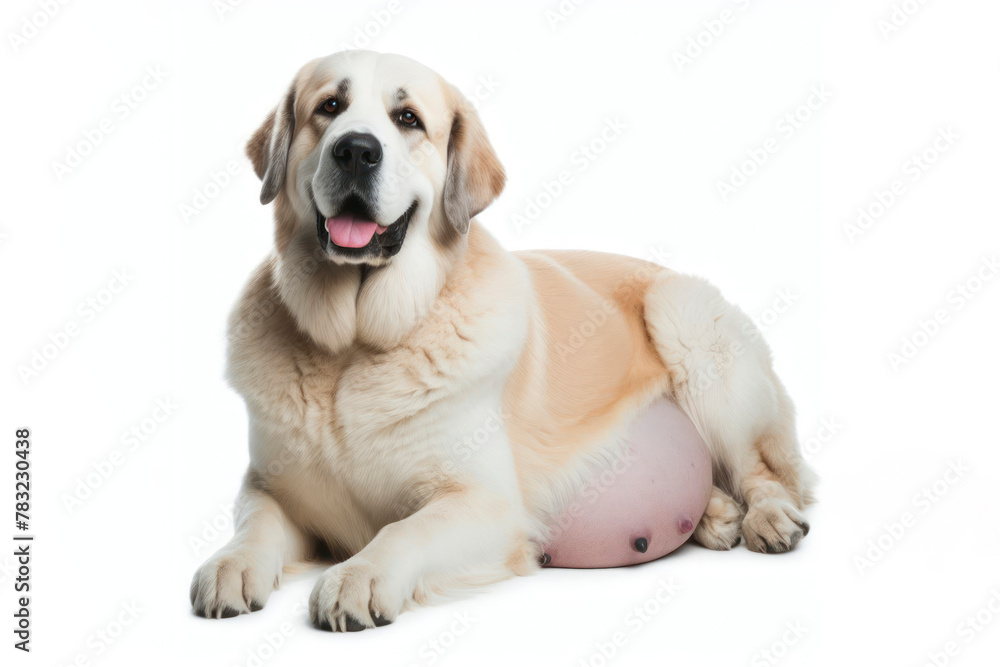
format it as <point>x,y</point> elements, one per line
<point>388,325</point>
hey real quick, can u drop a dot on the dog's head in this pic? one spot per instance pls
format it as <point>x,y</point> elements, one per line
<point>368,151</point>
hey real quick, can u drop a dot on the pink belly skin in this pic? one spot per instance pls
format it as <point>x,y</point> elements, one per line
<point>645,505</point>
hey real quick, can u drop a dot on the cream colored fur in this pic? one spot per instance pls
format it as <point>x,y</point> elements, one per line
<point>425,418</point>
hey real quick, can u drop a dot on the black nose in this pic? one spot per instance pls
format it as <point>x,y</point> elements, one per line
<point>357,154</point>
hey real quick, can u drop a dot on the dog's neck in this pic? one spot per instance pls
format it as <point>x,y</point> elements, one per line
<point>339,305</point>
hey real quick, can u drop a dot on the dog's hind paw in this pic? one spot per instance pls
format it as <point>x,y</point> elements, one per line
<point>773,526</point>
<point>719,528</point>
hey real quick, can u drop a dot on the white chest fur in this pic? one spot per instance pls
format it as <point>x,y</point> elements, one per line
<point>351,442</point>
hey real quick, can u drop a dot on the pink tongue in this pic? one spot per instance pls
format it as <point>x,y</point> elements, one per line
<point>347,231</point>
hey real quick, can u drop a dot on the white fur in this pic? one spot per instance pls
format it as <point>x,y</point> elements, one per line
<point>363,384</point>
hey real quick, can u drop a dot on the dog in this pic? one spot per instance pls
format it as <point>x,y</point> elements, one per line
<point>388,325</point>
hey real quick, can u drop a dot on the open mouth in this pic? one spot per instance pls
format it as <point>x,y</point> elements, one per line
<point>353,231</point>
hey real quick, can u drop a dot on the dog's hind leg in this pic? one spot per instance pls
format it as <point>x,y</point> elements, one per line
<point>721,376</point>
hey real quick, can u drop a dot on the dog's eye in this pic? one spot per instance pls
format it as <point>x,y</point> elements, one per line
<point>408,118</point>
<point>330,106</point>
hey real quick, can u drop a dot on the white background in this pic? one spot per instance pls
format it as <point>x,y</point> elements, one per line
<point>892,430</point>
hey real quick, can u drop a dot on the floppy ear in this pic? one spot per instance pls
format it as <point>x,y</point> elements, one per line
<point>475,175</point>
<point>269,145</point>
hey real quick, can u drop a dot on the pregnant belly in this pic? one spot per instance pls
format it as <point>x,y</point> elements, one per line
<point>644,507</point>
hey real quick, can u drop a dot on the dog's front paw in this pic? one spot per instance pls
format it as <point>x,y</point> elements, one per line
<point>232,583</point>
<point>773,526</point>
<point>354,595</point>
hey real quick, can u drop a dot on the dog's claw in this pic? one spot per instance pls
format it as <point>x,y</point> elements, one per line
<point>229,612</point>
<point>352,624</point>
